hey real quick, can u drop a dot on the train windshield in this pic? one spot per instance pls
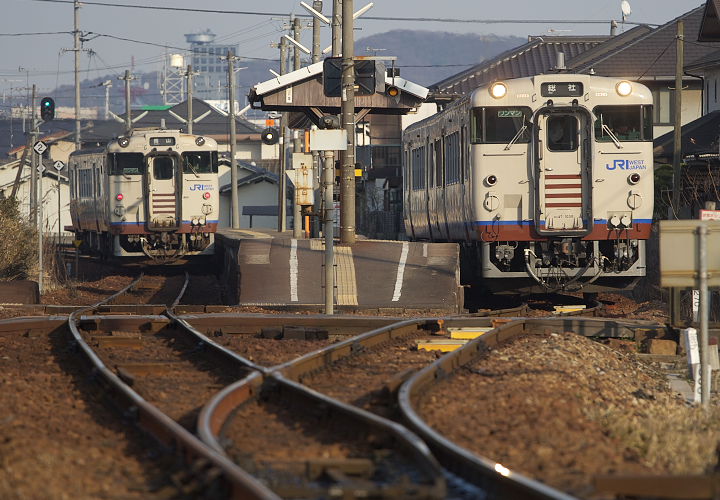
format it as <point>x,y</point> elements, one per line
<point>500,125</point>
<point>126,163</point>
<point>200,162</point>
<point>626,123</point>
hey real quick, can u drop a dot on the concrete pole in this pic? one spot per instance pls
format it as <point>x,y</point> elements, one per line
<point>128,104</point>
<point>677,152</point>
<point>282,192</point>
<point>190,99</point>
<point>704,314</point>
<point>76,48</point>
<point>297,147</point>
<point>329,220</point>
<point>336,27</point>
<point>107,99</point>
<point>316,50</point>
<point>347,174</point>
<point>233,141</point>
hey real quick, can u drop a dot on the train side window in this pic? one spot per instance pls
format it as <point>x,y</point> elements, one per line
<point>163,168</point>
<point>439,163</point>
<point>627,123</point>
<point>200,162</point>
<point>562,133</point>
<point>499,125</point>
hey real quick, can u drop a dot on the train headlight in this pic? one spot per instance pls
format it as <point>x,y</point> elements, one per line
<point>623,88</point>
<point>498,90</point>
<point>194,221</point>
<point>490,180</point>
<point>634,178</point>
<point>200,140</point>
<point>206,195</point>
<point>123,142</point>
<point>119,197</point>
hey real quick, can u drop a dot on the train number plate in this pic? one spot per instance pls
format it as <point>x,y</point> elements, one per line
<point>162,141</point>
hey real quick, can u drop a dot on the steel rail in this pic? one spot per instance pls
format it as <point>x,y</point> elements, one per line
<point>238,483</point>
<point>496,479</point>
<point>215,417</point>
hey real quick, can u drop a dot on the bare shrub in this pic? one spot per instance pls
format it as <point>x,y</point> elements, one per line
<point>18,246</point>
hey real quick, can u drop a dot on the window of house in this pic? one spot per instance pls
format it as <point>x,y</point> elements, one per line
<point>664,104</point>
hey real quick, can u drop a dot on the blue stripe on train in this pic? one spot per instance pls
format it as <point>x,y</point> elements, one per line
<point>542,223</point>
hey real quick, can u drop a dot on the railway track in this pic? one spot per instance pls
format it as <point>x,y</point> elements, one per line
<point>495,479</point>
<point>184,361</point>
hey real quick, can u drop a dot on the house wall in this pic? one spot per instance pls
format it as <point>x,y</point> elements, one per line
<point>692,107</point>
<point>249,151</point>
<point>711,98</point>
<point>49,198</point>
<point>259,193</point>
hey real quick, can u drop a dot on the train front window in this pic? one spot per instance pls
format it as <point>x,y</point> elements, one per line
<point>163,167</point>
<point>200,162</point>
<point>626,123</point>
<point>125,163</point>
<point>500,125</point>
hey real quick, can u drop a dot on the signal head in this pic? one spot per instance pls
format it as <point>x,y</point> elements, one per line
<point>47,108</point>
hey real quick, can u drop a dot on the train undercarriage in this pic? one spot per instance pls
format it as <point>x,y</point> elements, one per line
<point>161,247</point>
<point>554,265</point>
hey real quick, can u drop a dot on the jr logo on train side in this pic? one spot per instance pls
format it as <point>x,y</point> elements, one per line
<point>626,165</point>
<point>201,187</point>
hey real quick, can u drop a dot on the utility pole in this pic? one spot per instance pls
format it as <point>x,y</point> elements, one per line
<point>282,192</point>
<point>233,141</point>
<point>336,27</point>
<point>189,76</point>
<point>76,49</point>
<point>108,85</point>
<point>297,213</point>
<point>316,50</point>
<point>128,114</point>
<point>677,143</point>
<point>347,174</point>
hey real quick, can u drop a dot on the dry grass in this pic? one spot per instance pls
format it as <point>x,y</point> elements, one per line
<point>666,435</point>
<point>18,246</point>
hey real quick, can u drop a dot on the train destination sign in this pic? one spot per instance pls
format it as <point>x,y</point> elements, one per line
<point>561,89</point>
<point>162,141</point>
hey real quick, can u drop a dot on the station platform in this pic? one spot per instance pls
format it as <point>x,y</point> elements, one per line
<point>268,268</point>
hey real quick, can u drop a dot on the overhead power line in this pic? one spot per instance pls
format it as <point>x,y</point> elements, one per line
<point>366,18</point>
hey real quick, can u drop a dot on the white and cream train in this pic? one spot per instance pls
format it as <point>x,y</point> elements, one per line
<point>153,192</point>
<point>546,182</point>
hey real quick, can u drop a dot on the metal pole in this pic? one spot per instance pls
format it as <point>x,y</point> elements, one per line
<point>233,140</point>
<point>282,192</point>
<point>33,161</point>
<point>336,27</point>
<point>704,313</point>
<point>76,48</point>
<point>347,175</point>
<point>329,220</point>
<point>190,99</point>
<point>40,226</point>
<point>316,50</point>
<point>59,240</point>
<point>677,152</point>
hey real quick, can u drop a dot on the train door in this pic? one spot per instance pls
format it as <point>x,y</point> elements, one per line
<point>162,175</point>
<point>563,167</point>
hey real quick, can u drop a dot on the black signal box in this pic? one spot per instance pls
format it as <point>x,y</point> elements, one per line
<point>369,76</point>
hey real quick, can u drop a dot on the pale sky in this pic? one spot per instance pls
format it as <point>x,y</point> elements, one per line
<point>39,59</point>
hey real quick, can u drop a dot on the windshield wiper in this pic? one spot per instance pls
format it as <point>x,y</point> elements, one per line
<point>517,136</point>
<point>193,170</point>
<point>612,136</point>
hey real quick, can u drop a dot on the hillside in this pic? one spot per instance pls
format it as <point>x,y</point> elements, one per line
<point>424,57</point>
